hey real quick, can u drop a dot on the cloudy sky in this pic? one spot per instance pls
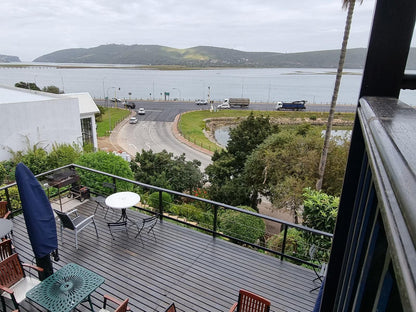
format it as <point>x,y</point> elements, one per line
<point>30,29</point>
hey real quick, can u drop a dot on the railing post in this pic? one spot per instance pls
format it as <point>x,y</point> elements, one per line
<point>115,184</point>
<point>214,228</point>
<point>160,206</point>
<point>284,241</point>
<point>9,203</point>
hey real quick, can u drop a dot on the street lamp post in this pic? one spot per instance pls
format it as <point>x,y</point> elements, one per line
<point>108,107</point>
<point>179,91</point>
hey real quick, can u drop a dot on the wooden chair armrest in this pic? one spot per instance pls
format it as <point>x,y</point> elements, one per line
<point>6,289</point>
<point>233,307</point>
<point>31,266</point>
<point>6,216</point>
<point>115,300</point>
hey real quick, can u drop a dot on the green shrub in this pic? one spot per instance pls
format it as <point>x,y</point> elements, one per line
<point>242,226</point>
<point>154,200</point>
<point>106,162</point>
<point>192,213</point>
<point>14,197</point>
<point>296,245</point>
<point>3,173</point>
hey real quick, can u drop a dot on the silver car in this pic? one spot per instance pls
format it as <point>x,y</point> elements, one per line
<point>133,120</point>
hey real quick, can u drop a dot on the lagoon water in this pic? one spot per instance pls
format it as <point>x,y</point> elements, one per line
<point>222,135</point>
<point>258,84</point>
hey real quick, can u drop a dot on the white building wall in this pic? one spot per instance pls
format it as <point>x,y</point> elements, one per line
<point>42,122</point>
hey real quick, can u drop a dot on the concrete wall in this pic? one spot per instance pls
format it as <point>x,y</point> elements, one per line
<point>42,122</point>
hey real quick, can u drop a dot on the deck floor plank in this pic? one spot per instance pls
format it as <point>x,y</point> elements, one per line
<point>192,269</point>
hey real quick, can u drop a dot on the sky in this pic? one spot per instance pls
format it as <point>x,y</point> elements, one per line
<point>30,29</point>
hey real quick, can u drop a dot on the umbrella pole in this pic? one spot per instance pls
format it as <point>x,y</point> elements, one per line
<point>46,264</point>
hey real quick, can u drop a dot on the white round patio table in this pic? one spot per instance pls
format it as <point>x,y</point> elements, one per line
<point>122,200</point>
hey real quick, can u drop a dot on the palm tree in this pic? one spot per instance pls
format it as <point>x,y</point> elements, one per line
<point>350,4</point>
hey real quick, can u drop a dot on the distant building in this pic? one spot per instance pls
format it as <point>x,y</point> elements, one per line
<point>32,117</point>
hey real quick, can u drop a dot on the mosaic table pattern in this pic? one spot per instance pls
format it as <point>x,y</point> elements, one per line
<point>66,288</point>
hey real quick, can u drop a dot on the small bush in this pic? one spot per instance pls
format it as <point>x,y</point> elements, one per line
<point>242,226</point>
<point>296,245</point>
<point>154,200</point>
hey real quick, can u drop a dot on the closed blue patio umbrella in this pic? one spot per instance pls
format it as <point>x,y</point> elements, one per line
<point>39,218</point>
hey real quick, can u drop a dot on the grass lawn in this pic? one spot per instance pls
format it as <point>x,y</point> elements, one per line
<point>192,124</point>
<point>113,116</point>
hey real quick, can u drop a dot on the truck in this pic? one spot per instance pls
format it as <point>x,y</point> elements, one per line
<point>295,105</point>
<point>231,102</point>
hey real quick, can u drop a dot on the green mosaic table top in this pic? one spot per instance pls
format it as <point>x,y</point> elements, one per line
<point>66,288</point>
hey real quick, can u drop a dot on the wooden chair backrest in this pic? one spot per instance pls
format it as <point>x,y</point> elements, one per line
<point>5,249</point>
<point>171,308</point>
<point>249,302</point>
<point>123,306</point>
<point>11,271</point>
<point>3,208</point>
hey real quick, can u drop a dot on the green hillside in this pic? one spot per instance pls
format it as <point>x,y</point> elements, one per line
<point>204,56</point>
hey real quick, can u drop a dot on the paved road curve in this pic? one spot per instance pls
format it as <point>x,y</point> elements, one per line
<point>154,129</point>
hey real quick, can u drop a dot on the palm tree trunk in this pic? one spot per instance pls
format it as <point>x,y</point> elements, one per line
<point>324,155</point>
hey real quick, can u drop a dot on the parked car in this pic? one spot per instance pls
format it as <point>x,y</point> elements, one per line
<point>141,111</point>
<point>115,100</point>
<point>201,102</point>
<point>129,105</point>
<point>224,106</point>
<point>133,120</point>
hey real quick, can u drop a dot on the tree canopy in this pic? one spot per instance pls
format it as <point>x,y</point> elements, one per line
<point>168,171</point>
<point>225,173</point>
<point>287,162</point>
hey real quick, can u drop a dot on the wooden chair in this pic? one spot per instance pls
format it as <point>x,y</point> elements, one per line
<point>6,249</point>
<point>4,212</point>
<point>76,223</point>
<point>146,224</point>
<point>122,306</point>
<point>171,308</point>
<point>249,302</point>
<point>14,283</point>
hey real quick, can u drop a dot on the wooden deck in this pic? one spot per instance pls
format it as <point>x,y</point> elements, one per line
<point>192,269</point>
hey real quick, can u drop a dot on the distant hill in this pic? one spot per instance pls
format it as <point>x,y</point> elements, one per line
<point>205,56</point>
<point>8,59</point>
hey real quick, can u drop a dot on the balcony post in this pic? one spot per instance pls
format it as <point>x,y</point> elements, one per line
<point>160,205</point>
<point>284,241</point>
<point>214,228</point>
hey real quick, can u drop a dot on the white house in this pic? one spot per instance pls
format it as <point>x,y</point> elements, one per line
<point>31,117</point>
<point>87,111</point>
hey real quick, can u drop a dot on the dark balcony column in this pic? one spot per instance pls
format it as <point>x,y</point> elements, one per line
<point>388,49</point>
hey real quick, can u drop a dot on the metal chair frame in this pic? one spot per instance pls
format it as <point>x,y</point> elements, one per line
<point>322,267</point>
<point>117,227</point>
<point>146,224</point>
<point>76,224</point>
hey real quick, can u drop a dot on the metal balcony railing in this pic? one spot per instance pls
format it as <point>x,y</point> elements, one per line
<point>297,254</point>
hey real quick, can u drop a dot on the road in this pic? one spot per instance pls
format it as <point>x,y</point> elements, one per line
<point>154,129</point>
